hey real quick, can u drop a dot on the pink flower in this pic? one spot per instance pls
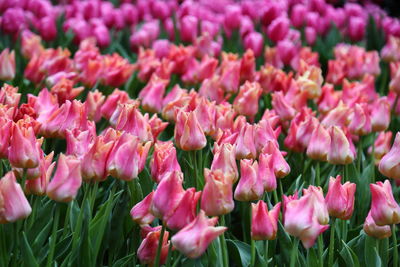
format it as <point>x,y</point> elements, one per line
<point>246,102</point>
<point>66,181</point>
<point>389,164</point>
<point>381,146</point>
<point>245,146</point>
<point>217,198</point>
<point>38,185</point>
<point>281,167</point>
<point>147,250</point>
<point>384,209</point>
<point>319,144</point>
<point>13,203</point>
<point>340,198</point>
<point>188,28</point>
<point>380,114</point>
<point>5,136</point>
<point>255,42</point>
<point>188,133</point>
<point>266,172</point>
<point>224,160</point>
<point>250,186</point>
<point>264,224</point>
<point>374,230</point>
<point>278,29</point>
<point>360,120</point>
<point>356,28</point>
<point>152,94</point>
<point>194,239</point>
<point>7,65</point>
<point>339,150</point>
<point>140,213</point>
<point>94,102</point>
<point>164,160</point>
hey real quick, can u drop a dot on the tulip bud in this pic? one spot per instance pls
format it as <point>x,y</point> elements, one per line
<point>7,65</point>
<point>246,102</point>
<point>389,164</point>
<point>140,213</point>
<point>245,146</point>
<point>320,207</point>
<point>255,42</point>
<point>380,115</point>
<point>264,224</point>
<point>194,239</point>
<point>374,230</point>
<point>360,121</point>
<point>384,209</point>
<point>188,28</point>
<point>164,160</point>
<point>319,144</point>
<point>147,250</point>
<point>340,198</point>
<point>66,180</point>
<point>281,167</point>
<point>188,133</point>
<point>339,150</point>
<point>266,172</point>
<point>224,160</point>
<point>168,195</point>
<point>13,203</point>
<point>381,146</point>
<point>250,187</point>
<point>152,94</point>
<point>278,29</point>
<point>356,28</point>
<point>216,198</point>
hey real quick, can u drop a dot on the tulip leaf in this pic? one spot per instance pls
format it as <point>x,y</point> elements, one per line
<point>239,252</point>
<point>29,259</point>
<point>349,256</point>
<point>371,254</point>
<point>42,236</point>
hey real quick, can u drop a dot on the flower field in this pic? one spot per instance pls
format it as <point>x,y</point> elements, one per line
<point>199,133</point>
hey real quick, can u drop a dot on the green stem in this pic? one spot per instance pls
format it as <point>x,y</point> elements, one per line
<point>194,165</point>
<point>373,158</point>
<point>168,263</point>
<point>317,174</point>
<point>225,259</point>
<point>275,196</point>
<point>53,237</point>
<point>395,250</point>
<point>359,154</point>
<point>320,250</point>
<point>253,252</point>
<point>160,242</point>
<point>332,243</point>
<point>177,261</point>
<point>293,254</point>
<point>266,252</point>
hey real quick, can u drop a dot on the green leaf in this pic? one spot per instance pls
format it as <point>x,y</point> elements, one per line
<point>370,253</point>
<point>29,259</point>
<point>42,236</point>
<point>239,252</point>
<point>349,256</point>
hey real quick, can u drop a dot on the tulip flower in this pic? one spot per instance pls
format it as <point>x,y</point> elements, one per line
<point>374,230</point>
<point>340,198</point>
<point>246,102</point>
<point>250,186</point>
<point>360,121</point>
<point>389,164</point>
<point>278,29</point>
<point>5,136</point>
<point>194,239</point>
<point>245,146</point>
<point>380,115</point>
<point>7,65</point>
<point>320,142</point>
<point>147,250</point>
<point>266,172</point>
<point>217,198</point>
<point>281,167</point>
<point>384,209</point>
<point>152,94</point>
<point>264,223</point>
<point>140,213</point>
<point>339,150</point>
<point>38,185</point>
<point>168,195</point>
<point>224,160</point>
<point>320,206</point>
<point>94,102</point>
<point>13,203</point>
<point>300,220</point>
<point>381,146</point>
<point>188,133</point>
<point>66,180</point>
<point>164,160</point>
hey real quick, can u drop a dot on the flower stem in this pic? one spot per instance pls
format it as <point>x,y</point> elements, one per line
<point>332,243</point>
<point>373,158</point>
<point>395,250</point>
<point>225,260</point>
<point>317,174</point>
<point>160,242</point>
<point>53,237</point>
<point>266,252</point>
<point>252,242</point>
<point>320,250</point>
<point>293,254</point>
<point>359,154</point>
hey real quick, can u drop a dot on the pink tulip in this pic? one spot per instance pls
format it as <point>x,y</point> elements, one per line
<point>164,160</point>
<point>264,223</point>
<point>185,212</point>
<point>266,172</point>
<point>278,29</point>
<point>38,185</point>
<point>245,147</point>
<point>250,186</point>
<point>281,167</point>
<point>24,150</point>
<point>194,239</point>
<point>360,121</point>
<point>13,205</point>
<point>230,73</point>
<point>217,198</point>
<point>380,114</point>
<point>224,160</point>
<point>319,144</point>
<point>305,130</point>
<point>188,133</point>
<point>5,136</point>
<point>66,181</point>
<point>168,195</point>
<point>140,213</point>
<point>339,150</point>
<point>7,65</point>
<point>357,27</point>
<point>389,164</point>
<point>255,42</point>
<point>374,230</point>
<point>311,35</point>
<point>153,93</point>
<point>384,209</point>
<point>298,15</point>
<point>147,250</point>
<point>320,207</point>
<point>282,107</point>
<point>340,198</point>
<point>300,220</point>
<point>127,157</point>
<point>188,28</point>
<point>381,146</point>
<point>246,102</point>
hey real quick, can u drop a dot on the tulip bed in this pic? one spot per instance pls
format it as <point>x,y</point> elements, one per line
<point>199,133</point>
